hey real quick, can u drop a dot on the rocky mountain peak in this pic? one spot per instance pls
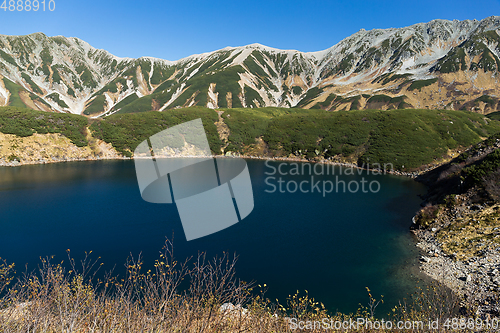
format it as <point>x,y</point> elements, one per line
<point>438,64</point>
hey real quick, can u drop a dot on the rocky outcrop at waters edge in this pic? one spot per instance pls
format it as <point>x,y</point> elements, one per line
<point>458,229</point>
<point>476,280</point>
<point>50,148</point>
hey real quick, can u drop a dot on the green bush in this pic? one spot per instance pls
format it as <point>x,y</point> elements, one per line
<point>405,138</point>
<point>55,97</point>
<point>379,99</point>
<point>96,106</point>
<point>477,172</point>
<point>25,122</point>
<point>8,58</point>
<point>32,84</point>
<point>126,131</point>
<point>494,115</point>
<point>453,62</point>
<point>421,83</point>
<point>13,158</point>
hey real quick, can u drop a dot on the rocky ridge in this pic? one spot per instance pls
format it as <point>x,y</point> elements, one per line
<point>439,64</point>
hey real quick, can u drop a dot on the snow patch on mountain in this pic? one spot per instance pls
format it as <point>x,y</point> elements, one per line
<point>241,57</point>
<point>4,94</point>
<point>177,93</point>
<point>212,97</point>
<point>75,106</point>
<point>154,61</point>
<point>356,60</point>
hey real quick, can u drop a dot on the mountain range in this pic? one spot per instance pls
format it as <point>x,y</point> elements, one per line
<point>437,65</point>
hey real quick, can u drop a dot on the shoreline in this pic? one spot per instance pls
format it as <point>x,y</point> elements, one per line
<point>54,160</point>
<point>476,280</point>
<point>413,174</point>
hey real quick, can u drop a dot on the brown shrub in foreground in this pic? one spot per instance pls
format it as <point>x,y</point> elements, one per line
<point>55,299</point>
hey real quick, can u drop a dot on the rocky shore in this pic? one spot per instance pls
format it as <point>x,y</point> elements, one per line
<point>458,227</point>
<point>16,163</point>
<point>66,152</point>
<point>476,279</point>
<point>413,174</point>
<point>51,148</point>
<point>460,250</point>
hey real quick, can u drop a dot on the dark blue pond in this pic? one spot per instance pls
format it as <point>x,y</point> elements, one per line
<point>333,246</point>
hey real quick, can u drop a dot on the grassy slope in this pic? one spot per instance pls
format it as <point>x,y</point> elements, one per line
<point>494,115</point>
<point>408,139</point>
<point>126,131</point>
<point>14,90</point>
<point>25,122</point>
<point>246,125</point>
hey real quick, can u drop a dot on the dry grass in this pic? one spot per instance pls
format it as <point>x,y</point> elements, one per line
<point>176,297</point>
<point>471,234</point>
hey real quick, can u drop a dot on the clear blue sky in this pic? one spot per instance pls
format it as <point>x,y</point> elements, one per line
<point>175,29</point>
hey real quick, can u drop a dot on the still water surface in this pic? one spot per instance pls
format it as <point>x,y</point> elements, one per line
<point>333,246</point>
